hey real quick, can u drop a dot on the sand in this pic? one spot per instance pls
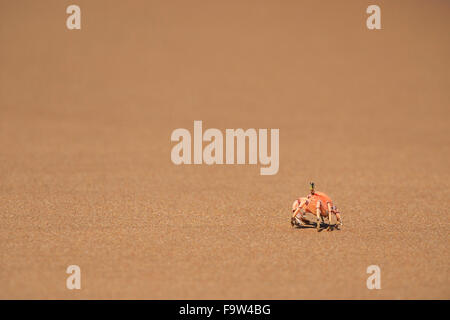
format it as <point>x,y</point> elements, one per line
<point>86,176</point>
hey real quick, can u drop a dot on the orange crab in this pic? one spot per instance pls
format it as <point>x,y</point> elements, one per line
<point>317,203</point>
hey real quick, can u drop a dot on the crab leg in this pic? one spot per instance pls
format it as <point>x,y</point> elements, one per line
<point>338,217</point>
<point>293,219</point>
<point>318,214</point>
<point>299,220</point>
<point>329,214</point>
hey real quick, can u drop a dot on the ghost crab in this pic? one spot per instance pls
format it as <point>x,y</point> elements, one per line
<point>317,203</point>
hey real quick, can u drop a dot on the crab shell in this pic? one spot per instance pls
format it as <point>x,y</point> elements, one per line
<point>309,204</point>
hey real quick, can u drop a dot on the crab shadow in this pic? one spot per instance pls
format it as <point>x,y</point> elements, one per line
<point>323,226</point>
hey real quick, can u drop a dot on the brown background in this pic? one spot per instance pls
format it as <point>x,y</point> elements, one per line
<point>85,170</point>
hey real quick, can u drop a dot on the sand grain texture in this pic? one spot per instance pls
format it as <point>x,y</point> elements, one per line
<point>85,171</point>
